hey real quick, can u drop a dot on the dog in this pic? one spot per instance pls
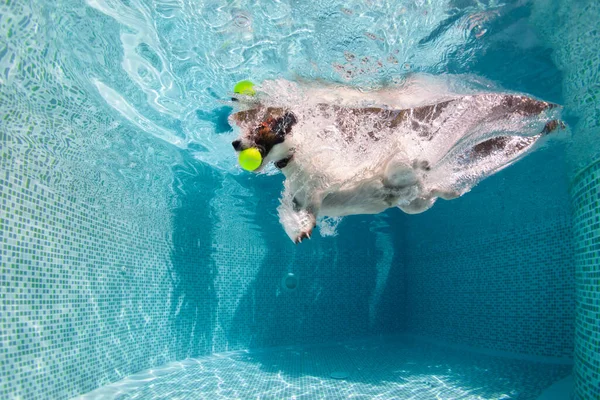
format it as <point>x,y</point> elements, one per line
<point>346,152</point>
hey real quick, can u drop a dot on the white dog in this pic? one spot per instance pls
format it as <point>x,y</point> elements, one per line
<point>346,152</point>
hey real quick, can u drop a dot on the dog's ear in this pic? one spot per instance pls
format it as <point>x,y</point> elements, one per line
<point>243,117</point>
<point>289,120</point>
<point>283,125</point>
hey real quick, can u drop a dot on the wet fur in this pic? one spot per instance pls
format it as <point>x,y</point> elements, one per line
<point>396,183</point>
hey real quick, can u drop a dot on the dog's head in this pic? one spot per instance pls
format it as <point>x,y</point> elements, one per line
<point>265,129</point>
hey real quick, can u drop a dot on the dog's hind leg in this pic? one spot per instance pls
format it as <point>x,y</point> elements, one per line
<point>398,174</point>
<point>418,205</point>
<point>425,202</point>
<point>445,194</point>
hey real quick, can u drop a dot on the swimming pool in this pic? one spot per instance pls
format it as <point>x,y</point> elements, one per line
<point>139,261</point>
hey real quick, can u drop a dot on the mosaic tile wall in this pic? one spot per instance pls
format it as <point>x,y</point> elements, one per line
<point>586,206</point>
<point>88,279</point>
<point>88,298</point>
<point>494,269</point>
<point>80,294</point>
<point>342,293</point>
<point>571,27</point>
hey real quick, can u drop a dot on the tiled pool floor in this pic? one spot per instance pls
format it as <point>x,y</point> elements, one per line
<point>389,368</point>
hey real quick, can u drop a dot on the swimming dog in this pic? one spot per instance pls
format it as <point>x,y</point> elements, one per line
<point>346,152</point>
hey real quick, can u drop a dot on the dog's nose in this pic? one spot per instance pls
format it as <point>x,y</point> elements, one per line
<point>236,144</point>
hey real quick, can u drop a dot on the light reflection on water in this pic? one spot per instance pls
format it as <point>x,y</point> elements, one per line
<point>389,368</point>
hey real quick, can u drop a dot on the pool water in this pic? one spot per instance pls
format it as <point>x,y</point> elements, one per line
<point>376,368</point>
<point>138,260</point>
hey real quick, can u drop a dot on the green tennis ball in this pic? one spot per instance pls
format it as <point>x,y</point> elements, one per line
<point>244,87</point>
<point>250,159</point>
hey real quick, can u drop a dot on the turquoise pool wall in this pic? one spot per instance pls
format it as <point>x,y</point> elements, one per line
<point>342,287</point>
<point>86,241</point>
<point>89,297</point>
<point>113,262</point>
<point>572,29</point>
<point>586,205</point>
<point>494,269</point>
<point>85,296</point>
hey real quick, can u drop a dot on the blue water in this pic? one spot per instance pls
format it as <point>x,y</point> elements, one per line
<point>140,261</point>
<point>143,80</point>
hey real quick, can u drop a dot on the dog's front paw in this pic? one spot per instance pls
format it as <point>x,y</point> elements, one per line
<point>298,224</point>
<point>303,235</point>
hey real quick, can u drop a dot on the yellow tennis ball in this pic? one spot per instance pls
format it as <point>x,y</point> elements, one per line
<point>244,87</point>
<point>250,159</point>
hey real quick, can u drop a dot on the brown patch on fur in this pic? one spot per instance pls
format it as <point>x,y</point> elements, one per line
<point>552,126</point>
<point>401,117</point>
<point>420,119</point>
<point>521,105</point>
<point>250,116</point>
<point>525,105</point>
<point>490,146</point>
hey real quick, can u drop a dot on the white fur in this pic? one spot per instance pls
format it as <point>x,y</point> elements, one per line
<point>391,184</point>
<point>330,175</point>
